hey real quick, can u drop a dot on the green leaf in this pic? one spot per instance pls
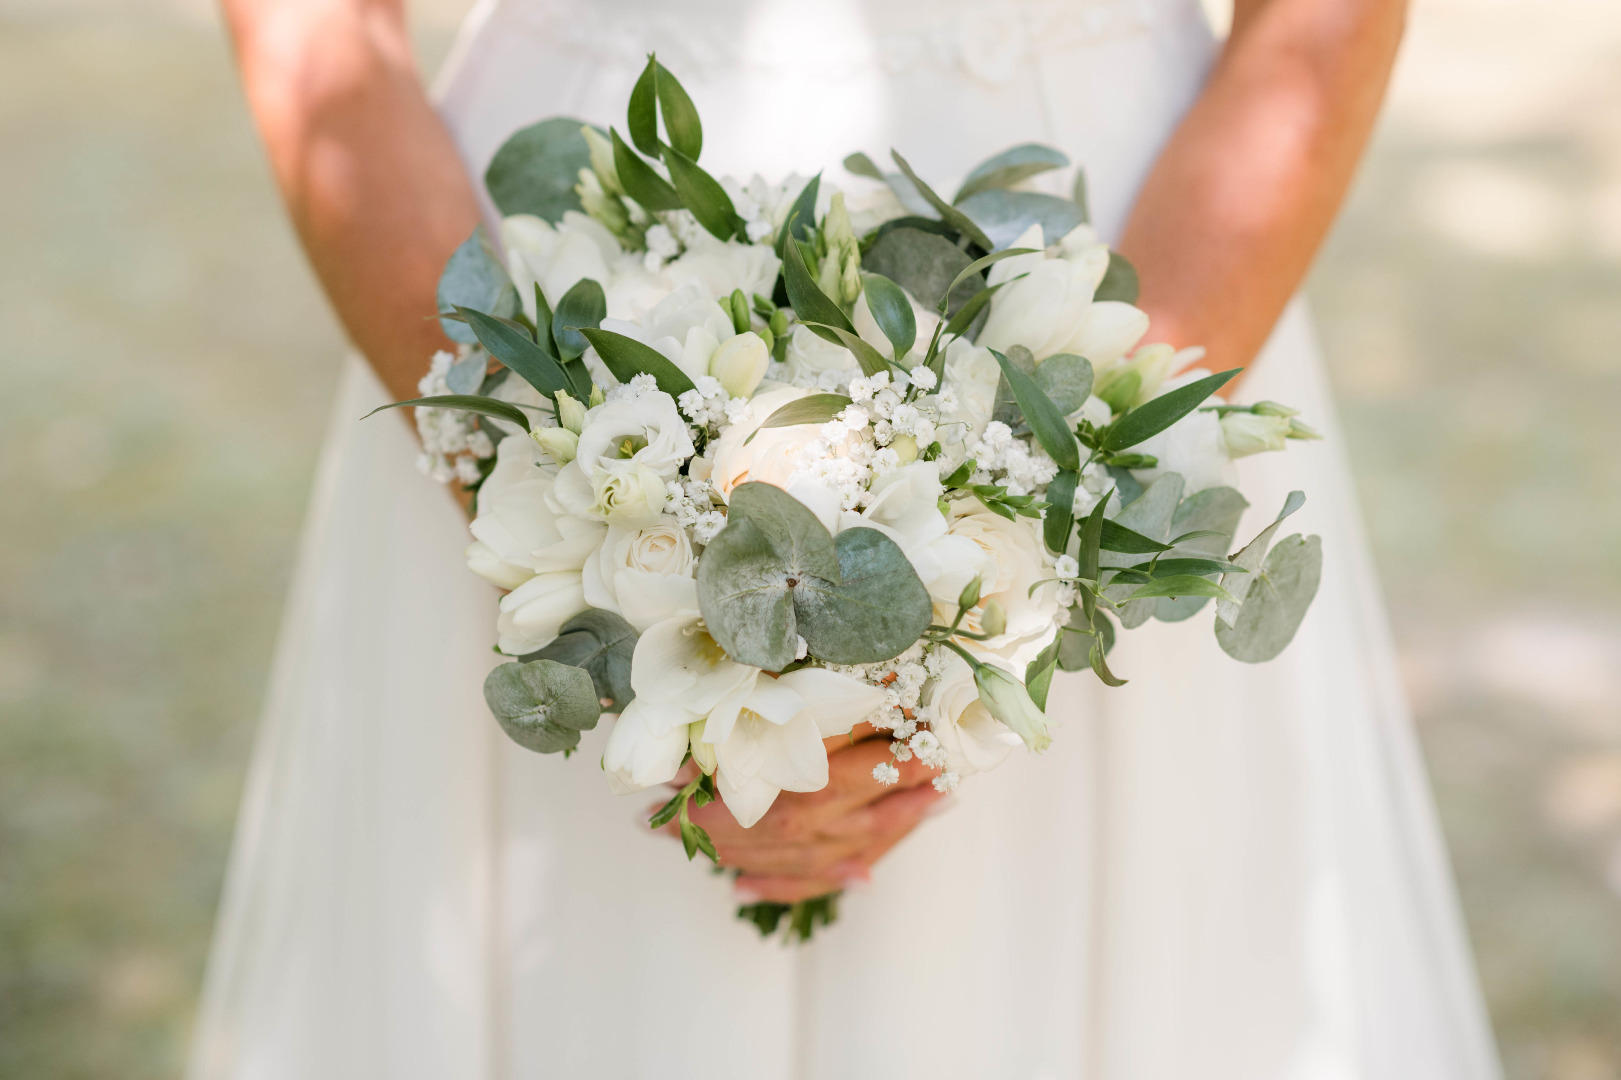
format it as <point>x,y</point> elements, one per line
<point>1010,167</point>
<point>666,813</point>
<point>1091,544</point>
<point>483,406</point>
<point>808,300</point>
<point>626,358</point>
<point>1078,195</point>
<point>801,220</point>
<point>892,311</point>
<point>861,165</point>
<point>680,115</point>
<point>535,171</point>
<point>923,263</point>
<point>1276,601</point>
<point>1154,416</point>
<point>1204,524</point>
<point>1101,666</point>
<point>1038,674</point>
<point>1058,520</point>
<point>1147,517</point>
<point>1125,483</point>
<point>1251,558</point>
<point>948,213</point>
<point>1005,215</point>
<point>475,277</point>
<point>1197,567</point>
<point>467,374</point>
<point>871,360</point>
<point>812,409</point>
<point>543,318</point>
<point>1117,537</point>
<point>795,533</point>
<point>1180,585</point>
<point>542,705</point>
<point>518,351</point>
<point>984,262</point>
<point>642,117</point>
<point>702,194</point>
<point>1119,281</point>
<point>640,180</point>
<point>963,321</point>
<point>583,307</point>
<point>879,609</point>
<point>1066,379</point>
<point>602,643</point>
<point>1046,422</point>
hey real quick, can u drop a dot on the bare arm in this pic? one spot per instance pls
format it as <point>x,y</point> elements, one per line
<point>369,174</point>
<point>1234,211</point>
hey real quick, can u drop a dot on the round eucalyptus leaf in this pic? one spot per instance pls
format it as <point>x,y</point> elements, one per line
<point>602,643</point>
<point>1276,601</point>
<point>923,263</point>
<point>797,536</point>
<point>536,169</point>
<point>1009,167</point>
<point>474,278</point>
<point>1150,515</point>
<point>744,595</point>
<point>542,705</point>
<point>1066,379</point>
<point>878,611</point>
<point>1005,215</point>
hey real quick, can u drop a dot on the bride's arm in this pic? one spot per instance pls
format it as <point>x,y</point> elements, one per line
<point>370,176</point>
<point>1236,207</point>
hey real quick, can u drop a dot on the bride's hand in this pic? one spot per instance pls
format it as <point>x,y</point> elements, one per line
<point>818,842</point>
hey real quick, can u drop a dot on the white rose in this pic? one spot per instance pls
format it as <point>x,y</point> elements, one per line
<point>722,267</point>
<point>740,362</point>
<point>1020,559</point>
<point>1044,309</point>
<point>808,357</point>
<point>1193,447</point>
<point>773,456</point>
<point>974,740</point>
<point>645,575</point>
<point>519,532</point>
<point>628,494</point>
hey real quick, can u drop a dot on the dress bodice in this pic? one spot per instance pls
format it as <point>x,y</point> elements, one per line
<point>796,85</point>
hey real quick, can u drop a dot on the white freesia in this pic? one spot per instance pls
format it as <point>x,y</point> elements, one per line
<point>1048,295</point>
<point>974,740</point>
<point>519,531</point>
<point>1017,560</point>
<point>645,575</point>
<point>636,758</point>
<point>533,614</point>
<point>1109,330</point>
<point>740,362</point>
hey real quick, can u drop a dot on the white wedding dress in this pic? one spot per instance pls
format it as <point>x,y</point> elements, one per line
<point>1233,874</point>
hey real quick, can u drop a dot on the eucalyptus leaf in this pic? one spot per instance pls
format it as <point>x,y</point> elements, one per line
<point>811,409</point>
<point>862,165</point>
<point>1252,557</point>
<point>1147,517</point>
<point>1046,422</point>
<point>1125,483</point>
<point>640,180</point>
<point>1005,407</point>
<point>627,358</point>
<point>602,643</point>
<point>923,263</point>
<point>948,213</point>
<point>1003,216</point>
<point>483,406</point>
<point>517,350</point>
<point>1010,167</point>
<point>702,194</point>
<point>474,277</point>
<point>1154,416</point>
<point>1079,195</point>
<point>879,609</point>
<point>1066,379</point>
<point>1276,601</point>
<point>536,169</point>
<point>1213,510</point>
<point>542,705</point>
<point>745,596</point>
<point>1119,281</point>
<point>467,374</point>
<point>584,306</point>
<point>891,310</point>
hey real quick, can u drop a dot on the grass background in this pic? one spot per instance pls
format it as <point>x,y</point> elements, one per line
<point>167,362</point>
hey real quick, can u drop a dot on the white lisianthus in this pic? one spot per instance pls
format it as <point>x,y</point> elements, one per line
<point>628,494</point>
<point>1006,699</point>
<point>519,531</point>
<point>647,429</point>
<point>1016,559</point>
<point>686,327</point>
<point>740,362</point>
<point>645,575</point>
<point>637,758</point>
<point>809,358</point>
<point>1046,307</point>
<point>1253,433</point>
<point>974,740</point>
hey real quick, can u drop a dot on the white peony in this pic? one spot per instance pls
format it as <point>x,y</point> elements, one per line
<point>644,575</point>
<point>974,740</point>
<point>1016,559</point>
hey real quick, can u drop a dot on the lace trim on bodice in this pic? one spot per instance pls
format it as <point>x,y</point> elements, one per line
<point>991,42</point>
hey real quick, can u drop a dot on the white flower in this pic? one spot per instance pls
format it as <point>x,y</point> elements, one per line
<point>519,532</point>
<point>647,429</point>
<point>740,362</point>
<point>686,327</point>
<point>1193,447</point>
<point>628,494</point>
<point>533,614</point>
<point>809,358</point>
<point>973,740</point>
<point>1066,568</point>
<point>1252,433</point>
<point>1045,300</point>
<point>1016,559</point>
<point>886,774</point>
<point>775,455</point>
<point>946,782</point>
<point>578,247</point>
<point>637,758</point>
<point>971,379</point>
<point>723,267</point>
<point>558,443</point>
<point>645,575</point>
<point>905,506</point>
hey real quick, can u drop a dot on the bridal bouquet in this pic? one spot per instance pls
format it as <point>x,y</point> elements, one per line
<point>758,462</point>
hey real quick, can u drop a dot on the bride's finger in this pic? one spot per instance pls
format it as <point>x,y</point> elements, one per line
<point>897,812</point>
<point>850,780</point>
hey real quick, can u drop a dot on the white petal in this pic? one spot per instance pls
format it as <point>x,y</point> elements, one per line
<point>747,798</point>
<point>646,598</point>
<point>636,758</point>
<point>836,702</point>
<point>724,715</point>
<point>775,700</point>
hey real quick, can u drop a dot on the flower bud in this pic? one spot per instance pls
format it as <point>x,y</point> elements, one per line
<point>597,396</point>
<point>703,754</point>
<point>993,620</point>
<point>739,363</point>
<point>1248,433</point>
<point>1299,430</point>
<point>570,413</point>
<point>560,444</point>
<point>602,160</point>
<point>1007,699</point>
<point>970,594</point>
<point>739,311</point>
<point>1272,408</point>
<point>779,322</point>
<point>905,447</point>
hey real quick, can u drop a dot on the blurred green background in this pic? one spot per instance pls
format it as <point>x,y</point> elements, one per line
<point>167,363</point>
